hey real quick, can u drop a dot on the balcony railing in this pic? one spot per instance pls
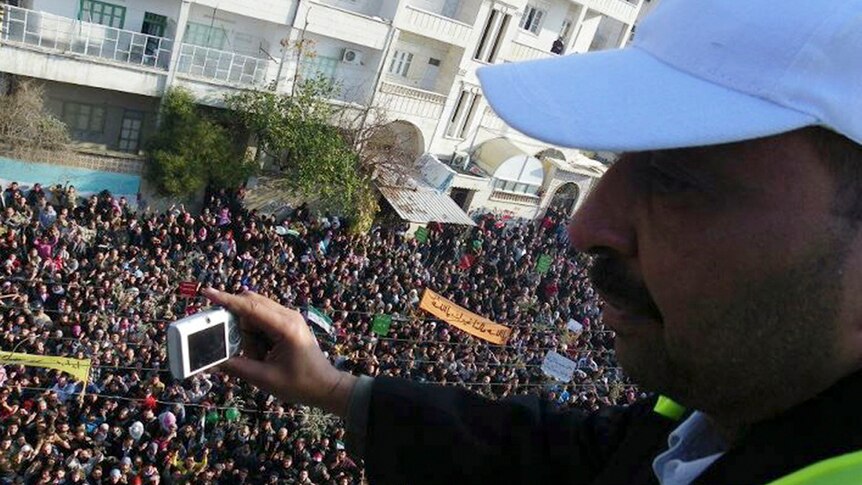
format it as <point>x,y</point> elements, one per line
<point>622,10</point>
<point>504,196</point>
<point>222,66</point>
<point>524,52</point>
<point>409,92</point>
<point>412,101</point>
<point>435,25</point>
<point>70,36</point>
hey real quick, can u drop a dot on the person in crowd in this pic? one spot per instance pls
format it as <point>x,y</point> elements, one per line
<point>99,281</point>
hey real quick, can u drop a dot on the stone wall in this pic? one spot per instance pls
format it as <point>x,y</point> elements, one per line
<point>113,162</point>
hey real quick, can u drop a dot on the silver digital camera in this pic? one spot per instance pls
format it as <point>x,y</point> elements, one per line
<point>201,341</point>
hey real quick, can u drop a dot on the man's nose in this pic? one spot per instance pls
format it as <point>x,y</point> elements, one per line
<point>606,219</point>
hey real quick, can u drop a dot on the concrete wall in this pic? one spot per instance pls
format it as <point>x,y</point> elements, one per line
<point>356,81</point>
<point>338,22</point>
<point>424,49</point>
<point>245,35</point>
<point>80,70</point>
<point>374,8</point>
<point>115,105</point>
<point>460,10</point>
<point>608,34</point>
<point>275,11</point>
<point>555,13</point>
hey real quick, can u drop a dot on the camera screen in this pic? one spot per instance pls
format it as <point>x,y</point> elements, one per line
<point>206,346</point>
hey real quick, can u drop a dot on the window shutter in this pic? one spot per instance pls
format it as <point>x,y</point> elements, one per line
<point>537,21</point>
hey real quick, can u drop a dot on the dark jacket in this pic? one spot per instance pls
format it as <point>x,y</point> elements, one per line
<point>422,434</point>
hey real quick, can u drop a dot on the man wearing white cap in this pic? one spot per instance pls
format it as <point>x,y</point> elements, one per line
<point>727,245</point>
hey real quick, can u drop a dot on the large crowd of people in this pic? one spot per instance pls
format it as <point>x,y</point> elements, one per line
<point>90,278</point>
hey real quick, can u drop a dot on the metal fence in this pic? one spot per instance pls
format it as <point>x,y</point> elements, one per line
<point>68,35</point>
<point>222,66</point>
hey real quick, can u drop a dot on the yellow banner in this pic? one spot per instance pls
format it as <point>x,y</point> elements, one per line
<point>464,319</point>
<point>78,368</point>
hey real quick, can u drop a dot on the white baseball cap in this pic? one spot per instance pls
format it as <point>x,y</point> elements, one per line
<point>699,72</point>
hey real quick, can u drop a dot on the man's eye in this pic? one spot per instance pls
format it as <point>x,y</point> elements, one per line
<point>663,181</point>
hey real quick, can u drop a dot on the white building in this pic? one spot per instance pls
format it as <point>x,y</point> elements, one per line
<point>106,64</point>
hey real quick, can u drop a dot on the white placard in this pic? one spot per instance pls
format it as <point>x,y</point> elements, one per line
<point>575,326</point>
<point>558,366</point>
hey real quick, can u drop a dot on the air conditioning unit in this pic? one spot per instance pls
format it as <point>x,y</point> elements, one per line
<point>351,56</point>
<point>461,159</point>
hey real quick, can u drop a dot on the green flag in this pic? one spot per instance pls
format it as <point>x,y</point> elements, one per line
<point>320,319</point>
<point>421,234</point>
<point>380,325</point>
<point>543,264</point>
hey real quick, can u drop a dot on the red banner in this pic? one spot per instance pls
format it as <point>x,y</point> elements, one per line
<point>189,289</point>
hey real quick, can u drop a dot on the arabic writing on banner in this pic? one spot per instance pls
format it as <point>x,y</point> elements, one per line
<point>558,366</point>
<point>78,368</point>
<point>459,317</point>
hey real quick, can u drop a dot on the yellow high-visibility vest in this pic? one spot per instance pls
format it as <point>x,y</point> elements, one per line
<point>840,470</point>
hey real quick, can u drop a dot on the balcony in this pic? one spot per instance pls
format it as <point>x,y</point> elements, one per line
<point>523,52</point>
<point>434,25</point>
<point>72,37</point>
<point>621,10</point>
<point>222,67</point>
<point>410,101</point>
<point>348,26</point>
<point>515,198</point>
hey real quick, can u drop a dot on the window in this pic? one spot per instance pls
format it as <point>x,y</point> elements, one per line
<point>492,36</point>
<point>102,13</point>
<point>84,118</point>
<point>319,66</point>
<point>154,24</point>
<point>565,30</point>
<point>463,114</point>
<point>400,64</point>
<point>532,19</point>
<point>205,35</point>
<point>130,131</point>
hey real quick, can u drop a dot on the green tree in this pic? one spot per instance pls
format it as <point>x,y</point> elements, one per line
<point>190,149</point>
<point>312,155</point>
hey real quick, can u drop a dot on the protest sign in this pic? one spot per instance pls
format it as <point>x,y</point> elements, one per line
<point>320,319</point>
<point>421,234</point>
<point>77,368</point>
<point>558,366</point>
<point>189,289</point>
<point>544,264</point>
<point>574,326</point>
<point>459,317</point>
<point>466,261</point>
<point>380,325</point>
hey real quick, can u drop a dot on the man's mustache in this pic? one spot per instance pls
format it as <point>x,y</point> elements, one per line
<point>612,279</point>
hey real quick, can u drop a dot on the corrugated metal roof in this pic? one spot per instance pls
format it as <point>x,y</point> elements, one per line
<point>424,206</point>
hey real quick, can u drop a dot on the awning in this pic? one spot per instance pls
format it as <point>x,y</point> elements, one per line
<point>423,206</point>
<point>503,160</point>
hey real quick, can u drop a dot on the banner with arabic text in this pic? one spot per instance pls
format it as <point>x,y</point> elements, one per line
<point>460,317</point>
<point>78,368</point>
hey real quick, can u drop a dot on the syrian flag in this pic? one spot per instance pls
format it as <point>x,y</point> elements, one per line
<point>320,319</point>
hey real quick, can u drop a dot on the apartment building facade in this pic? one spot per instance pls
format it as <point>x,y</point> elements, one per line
<point>106,65</point>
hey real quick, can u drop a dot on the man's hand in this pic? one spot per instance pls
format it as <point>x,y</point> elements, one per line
<point>281,354</point>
